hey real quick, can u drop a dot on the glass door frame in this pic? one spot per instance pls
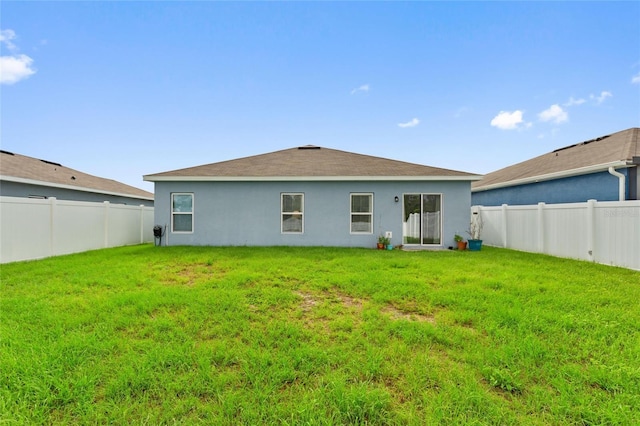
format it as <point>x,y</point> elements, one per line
<point>421,236</point>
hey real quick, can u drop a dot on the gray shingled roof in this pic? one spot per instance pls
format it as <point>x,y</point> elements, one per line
<point>50,173</point>
<point>618,148</point>
<point>310,162</point>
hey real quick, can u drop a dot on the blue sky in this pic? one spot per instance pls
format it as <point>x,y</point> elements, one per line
<point>124,89</point>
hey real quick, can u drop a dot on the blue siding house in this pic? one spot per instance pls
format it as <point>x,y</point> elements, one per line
<point>312,196</point>
<point>28,177</point>
<point>603,169</point>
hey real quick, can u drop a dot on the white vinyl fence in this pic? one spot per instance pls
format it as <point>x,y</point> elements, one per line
<point>604,232</point>
<point>34,228</point>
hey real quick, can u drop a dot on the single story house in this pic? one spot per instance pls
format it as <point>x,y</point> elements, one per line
<point>603,169</point>
<point>28,177</point>
<point>312,196</point>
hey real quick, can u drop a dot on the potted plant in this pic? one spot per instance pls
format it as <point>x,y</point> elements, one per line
<point>462,244</point>
<point>475,229</point>
<point>382,242</point>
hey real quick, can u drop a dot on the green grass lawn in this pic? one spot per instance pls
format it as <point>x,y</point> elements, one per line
<point>165,335</point>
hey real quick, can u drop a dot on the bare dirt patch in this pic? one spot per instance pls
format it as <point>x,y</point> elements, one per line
<point>189,275</point>
<point>308,301</point>
<point>397,314</point>
<point>351,302</point>
<point>311,300</point>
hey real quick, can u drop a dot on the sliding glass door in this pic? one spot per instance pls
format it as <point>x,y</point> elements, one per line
<point>422,219</point>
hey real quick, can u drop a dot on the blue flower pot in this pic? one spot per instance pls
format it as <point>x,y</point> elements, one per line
<point>475,245</point>
<point>389,246</point>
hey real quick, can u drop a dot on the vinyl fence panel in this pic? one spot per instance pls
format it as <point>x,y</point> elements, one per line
<point>77,226</point>
<point>604,232</point>
<point>618,233</point>
<point>527,236</point>
<point>493,221</point>
<point>34,228</point>
<point>565,230</point>
<point>25,229</point>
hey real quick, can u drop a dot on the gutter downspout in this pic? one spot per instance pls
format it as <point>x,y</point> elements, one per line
<point>621,185</point>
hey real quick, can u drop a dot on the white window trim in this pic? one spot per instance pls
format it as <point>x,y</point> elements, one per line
<point>351,213</point>
<point>282,213</point>
<point>192,213</point>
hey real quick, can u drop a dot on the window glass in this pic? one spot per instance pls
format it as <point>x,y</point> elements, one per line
<point>422,219</point>
<point>182,212</point>
<point>292,214</point>
<point>182,223</point>
<point>361,223</point>
<point>360,203</point>
<point>431,219</point>
<point>291,223</point>
<point>292,203</point>
<point>362,213</point>
<point>182,203</point>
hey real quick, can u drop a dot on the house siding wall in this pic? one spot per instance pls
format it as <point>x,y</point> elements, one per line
<point>248,213</point>
<point>17,189</point>
<point>600,186</point>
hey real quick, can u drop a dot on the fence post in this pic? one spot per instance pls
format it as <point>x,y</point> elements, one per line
<point>106,224</point>
<point>141,223</point>
<point>541,225</point>
<point>504,225</point>
<point>591,226</point>
<point>52,222</point>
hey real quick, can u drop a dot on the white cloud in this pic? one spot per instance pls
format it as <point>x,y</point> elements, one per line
<point>506,120</point>
<point>601,98</point>
<point>363,88</point>
<point>13,68</point>
<point>413,123</point>
<point>572,101</point>
<point>554,113</point>
<point>635,79</point>
<point>6,36</point>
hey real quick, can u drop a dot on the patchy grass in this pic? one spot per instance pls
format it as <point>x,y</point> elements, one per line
<point>149,335</point>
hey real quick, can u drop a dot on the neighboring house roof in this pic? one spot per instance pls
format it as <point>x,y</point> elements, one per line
<point>29,170</point>
<point>621,149</point>
<point>311,163</point>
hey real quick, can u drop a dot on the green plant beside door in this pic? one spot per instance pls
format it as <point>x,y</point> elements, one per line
<point>384,243</point>
<point>462,244</point>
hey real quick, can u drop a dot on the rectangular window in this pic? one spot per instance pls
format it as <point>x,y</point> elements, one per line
<point>181,212</point>
<point>361,213</point>
<point>292,213</point>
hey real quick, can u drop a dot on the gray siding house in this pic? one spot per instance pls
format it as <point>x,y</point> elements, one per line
<point>603,169</point>
<point>312,196</point>
<point>28,177</point>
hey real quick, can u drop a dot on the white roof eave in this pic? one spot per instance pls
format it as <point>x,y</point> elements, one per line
<point>556,175</point>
